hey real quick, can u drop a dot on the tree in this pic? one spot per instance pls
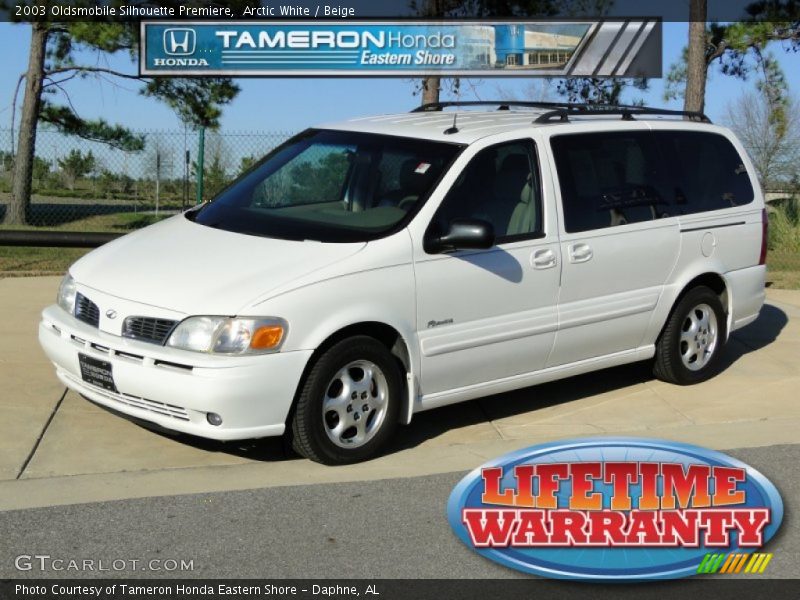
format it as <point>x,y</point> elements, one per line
<point>737,49</point>
<point>696,65</point>
<point>76,165</point>
<point>320,180</point>
<point>111,184</point>
<point>430,87</point>
<point>247,162</point>
<point>54,60</point>
<point>6,161</point>
<point>597,90</point>
<point>17,208</point>
<point>41,169</point>
<point>216,166</point>
<point>770,142</point>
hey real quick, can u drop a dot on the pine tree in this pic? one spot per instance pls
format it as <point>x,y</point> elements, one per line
<point>54,60</point>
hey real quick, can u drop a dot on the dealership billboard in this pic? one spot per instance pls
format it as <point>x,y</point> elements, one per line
<point>623,48</point>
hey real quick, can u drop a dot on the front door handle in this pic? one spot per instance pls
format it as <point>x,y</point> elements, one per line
<point>543,259</point>
<point>580,253</point>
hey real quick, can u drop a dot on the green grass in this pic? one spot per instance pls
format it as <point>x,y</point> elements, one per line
<point>17,261</point>
<point>110,222</point>
<point>783,258</point>
<point>20,261</point>
<point>783,270</point>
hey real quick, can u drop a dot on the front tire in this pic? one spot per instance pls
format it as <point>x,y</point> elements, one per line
<point>347,407</point>
<point>690,345</point>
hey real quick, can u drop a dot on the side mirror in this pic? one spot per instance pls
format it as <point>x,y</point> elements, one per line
<point>463,234</point>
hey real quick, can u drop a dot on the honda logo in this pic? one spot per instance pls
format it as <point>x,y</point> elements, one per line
<point>179,42</point>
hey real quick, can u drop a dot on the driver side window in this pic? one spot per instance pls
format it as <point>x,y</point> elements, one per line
<point>500,185</point>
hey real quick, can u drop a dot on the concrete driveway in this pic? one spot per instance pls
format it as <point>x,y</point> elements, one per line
<point>57,448</point>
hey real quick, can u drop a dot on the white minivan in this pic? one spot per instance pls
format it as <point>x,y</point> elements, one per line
<point>368,270</point>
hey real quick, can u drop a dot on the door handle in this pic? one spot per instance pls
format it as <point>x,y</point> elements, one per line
<point>580,253</point>
<point>543,259</point>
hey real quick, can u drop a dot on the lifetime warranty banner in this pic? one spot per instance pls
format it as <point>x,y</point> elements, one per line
<point>620,48</point>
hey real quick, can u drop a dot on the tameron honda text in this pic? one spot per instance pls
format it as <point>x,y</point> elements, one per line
<point>614,509</point>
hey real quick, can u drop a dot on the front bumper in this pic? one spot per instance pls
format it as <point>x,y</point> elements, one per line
<point>176,389</point>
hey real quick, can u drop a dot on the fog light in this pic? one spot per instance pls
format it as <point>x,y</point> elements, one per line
<point>214,419</point>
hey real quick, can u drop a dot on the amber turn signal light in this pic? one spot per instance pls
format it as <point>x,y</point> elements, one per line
<point>266,337</point>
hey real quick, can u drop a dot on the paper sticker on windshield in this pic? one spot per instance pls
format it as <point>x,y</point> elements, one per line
<point>422,168</point>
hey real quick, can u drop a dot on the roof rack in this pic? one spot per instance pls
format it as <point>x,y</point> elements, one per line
<point>561,111</point>
<point>628,113</point>
<point>500,104</point>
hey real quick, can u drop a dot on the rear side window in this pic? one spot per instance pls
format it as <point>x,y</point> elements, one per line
<point>610,178</point>
<point>709,173</point>
<point>616,178</point>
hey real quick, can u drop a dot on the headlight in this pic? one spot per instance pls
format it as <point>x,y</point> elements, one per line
<point>225,335</point>
<point>66,294</point>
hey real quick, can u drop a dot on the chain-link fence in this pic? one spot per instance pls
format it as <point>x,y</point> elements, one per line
<point>783,257</point>
<point>79,185</point>
<point>90,186</point>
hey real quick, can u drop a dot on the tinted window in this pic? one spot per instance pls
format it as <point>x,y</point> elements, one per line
<point>610,179</point>
<point>615,178</point>
<point>317,175</point>
<point>499,185</point>
<point>331,186</point>
<point>707,170</point>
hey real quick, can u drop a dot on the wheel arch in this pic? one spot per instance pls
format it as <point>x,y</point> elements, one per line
<point>710,279</point>
<point>391,338</point>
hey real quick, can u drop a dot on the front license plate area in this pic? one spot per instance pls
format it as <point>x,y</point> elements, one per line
<point>97,372</point>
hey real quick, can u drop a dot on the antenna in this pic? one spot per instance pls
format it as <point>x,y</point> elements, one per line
<point>454,128</point>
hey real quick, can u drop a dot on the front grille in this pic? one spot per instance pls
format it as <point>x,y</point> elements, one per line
<point>148,329</point>
<point>86,310</point>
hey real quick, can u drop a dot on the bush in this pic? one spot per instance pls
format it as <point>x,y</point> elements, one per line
<point>784,227</point>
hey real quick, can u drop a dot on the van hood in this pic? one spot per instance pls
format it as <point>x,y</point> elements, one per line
<point>181,266</point>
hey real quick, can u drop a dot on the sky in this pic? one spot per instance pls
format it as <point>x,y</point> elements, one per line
<point>290,105</point>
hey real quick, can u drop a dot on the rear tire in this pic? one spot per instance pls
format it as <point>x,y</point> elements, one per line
<point>347,407</point>
<point>691,343</point>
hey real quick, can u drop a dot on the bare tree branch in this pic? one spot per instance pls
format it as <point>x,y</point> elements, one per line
<point>775,154</point>
<point>60,81</point>
<point>82,69</point>
<point>66,95</point>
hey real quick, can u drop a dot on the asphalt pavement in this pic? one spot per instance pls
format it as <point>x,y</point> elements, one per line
<point>394,528</point>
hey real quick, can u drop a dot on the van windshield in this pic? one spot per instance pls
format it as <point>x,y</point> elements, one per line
<point>331,186</point>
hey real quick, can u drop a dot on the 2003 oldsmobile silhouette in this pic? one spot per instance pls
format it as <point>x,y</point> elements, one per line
<point>368,270</point>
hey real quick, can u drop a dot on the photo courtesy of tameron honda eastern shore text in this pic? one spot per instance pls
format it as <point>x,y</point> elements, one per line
<point>371,269</point>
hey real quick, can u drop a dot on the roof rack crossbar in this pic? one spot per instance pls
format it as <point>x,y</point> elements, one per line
<point>501,104</point>
<point>561,111</point>
<point>628,113</point>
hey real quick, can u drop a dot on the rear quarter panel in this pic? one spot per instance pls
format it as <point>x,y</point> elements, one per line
<point>726,242</point>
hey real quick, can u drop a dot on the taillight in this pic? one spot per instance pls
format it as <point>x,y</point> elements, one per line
<point>762,260</point>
